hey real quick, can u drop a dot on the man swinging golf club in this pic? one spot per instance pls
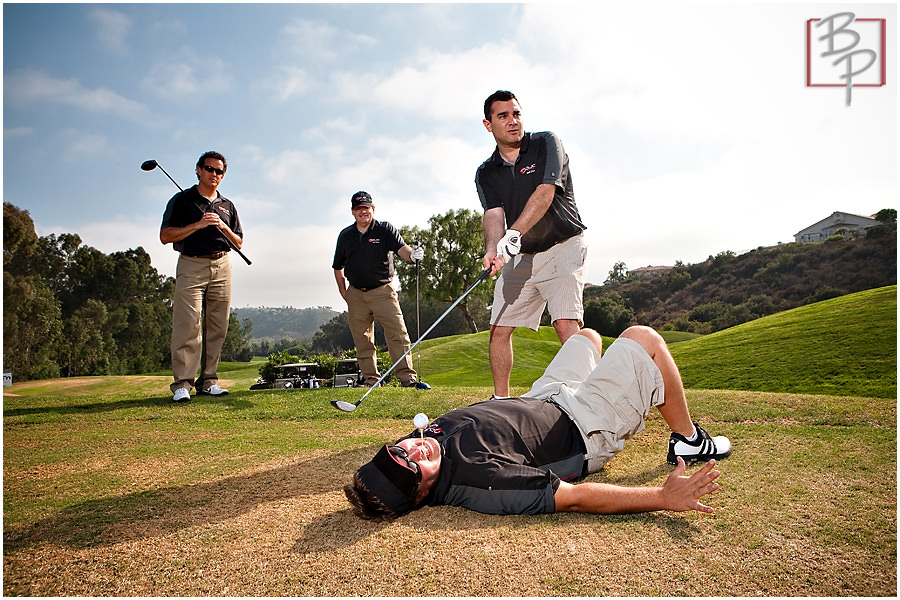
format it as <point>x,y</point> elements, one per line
<point>517,455</point>
<point>197,222</point>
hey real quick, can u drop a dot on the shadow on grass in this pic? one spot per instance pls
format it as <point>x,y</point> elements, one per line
<point>330,532</point>
<point>154,513</point>
<point>100,406</point>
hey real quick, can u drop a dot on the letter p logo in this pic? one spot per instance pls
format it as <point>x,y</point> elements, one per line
<point>833,58</point>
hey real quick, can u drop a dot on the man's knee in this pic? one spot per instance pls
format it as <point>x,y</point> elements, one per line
<point>645,336</point>
<point>566,328</point>
<point>500,332</point>
<point>593,336</point>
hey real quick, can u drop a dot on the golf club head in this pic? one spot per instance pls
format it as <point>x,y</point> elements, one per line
<point>149,165</point>
<point>421,385</point>
<point>344,406</point>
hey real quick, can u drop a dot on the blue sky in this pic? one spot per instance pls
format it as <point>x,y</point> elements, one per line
<point>689,127</point>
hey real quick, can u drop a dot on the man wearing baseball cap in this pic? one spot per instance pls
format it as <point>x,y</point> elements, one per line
<point>364,257</point>
<point>518,455</point>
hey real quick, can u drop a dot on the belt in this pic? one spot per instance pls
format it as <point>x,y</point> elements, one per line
<point>362,289</point>
<point>212,256</point>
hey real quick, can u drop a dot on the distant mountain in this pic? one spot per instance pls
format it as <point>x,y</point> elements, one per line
<point>286,321</point>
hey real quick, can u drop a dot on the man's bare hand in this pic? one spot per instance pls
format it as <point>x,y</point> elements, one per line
<point>493,260</point>
<point>681,493</point>
<point>211,219</point>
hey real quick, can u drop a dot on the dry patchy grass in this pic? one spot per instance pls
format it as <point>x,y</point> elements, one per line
<point>784,526</point>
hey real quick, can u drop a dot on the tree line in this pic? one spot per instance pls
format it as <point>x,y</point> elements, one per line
<point>70,310</point>
<point>276,323</point>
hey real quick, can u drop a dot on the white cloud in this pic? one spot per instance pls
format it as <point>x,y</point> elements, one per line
<point>113,29</point>
<point>30,86</point>
<point>190,79</point>
<point>288,82</point>
<point>82,146</point>
<point>316,41</point>
<point>444,87</point>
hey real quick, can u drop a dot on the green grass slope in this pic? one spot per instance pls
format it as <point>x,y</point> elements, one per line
<point>845,346</point>
<point>462,360</point>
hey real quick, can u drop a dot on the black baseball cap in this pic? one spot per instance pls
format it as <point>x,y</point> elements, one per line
<point>391,477</point>
<point>361,198</point>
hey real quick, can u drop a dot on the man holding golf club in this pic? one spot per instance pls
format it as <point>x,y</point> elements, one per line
<point>364,257</point>
<point>202,225</point>
<point>518,455</point>
<point>532,228</point>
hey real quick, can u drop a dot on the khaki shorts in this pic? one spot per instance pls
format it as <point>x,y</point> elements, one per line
<point>529,282</point>
<point>608,398</point>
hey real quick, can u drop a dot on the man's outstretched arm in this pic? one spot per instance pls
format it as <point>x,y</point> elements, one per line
<point>679,493</point>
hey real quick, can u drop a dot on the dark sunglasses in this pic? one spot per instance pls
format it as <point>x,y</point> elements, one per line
<point>210,169</point>
<point>404,455</point>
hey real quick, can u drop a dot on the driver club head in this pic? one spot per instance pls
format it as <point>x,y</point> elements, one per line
<point>421,385</point>
<point>149,165</point>
<point>344,406</point>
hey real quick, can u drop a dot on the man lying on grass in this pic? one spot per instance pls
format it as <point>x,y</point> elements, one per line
<point>515,455</point>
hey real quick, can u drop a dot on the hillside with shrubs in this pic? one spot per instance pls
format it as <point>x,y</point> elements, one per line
<point>729,289</point>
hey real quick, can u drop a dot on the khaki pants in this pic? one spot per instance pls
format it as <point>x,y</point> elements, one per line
<point>363,309</point>
<point>200,313</point>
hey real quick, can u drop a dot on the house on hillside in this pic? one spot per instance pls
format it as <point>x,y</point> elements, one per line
<point>642,272</point>
<point>838,223</point>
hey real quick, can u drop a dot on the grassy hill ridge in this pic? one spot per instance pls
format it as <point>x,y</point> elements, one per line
<point>843,346</point>
<point>729,289</point>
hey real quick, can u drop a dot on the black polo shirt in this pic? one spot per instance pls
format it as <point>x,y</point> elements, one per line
<point>367,258</point>
<point>542,159</point>
<point>187,207</point>
<point>505,456</point>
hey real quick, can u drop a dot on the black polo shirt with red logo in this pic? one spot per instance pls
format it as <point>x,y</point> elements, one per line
<point>542,159</point>
<point>505,456</point>
<point>187,207</point>
<point>367,258</point>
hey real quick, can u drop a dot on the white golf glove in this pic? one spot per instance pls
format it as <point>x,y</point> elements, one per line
<point>417,254</point>
<point>510,245</point>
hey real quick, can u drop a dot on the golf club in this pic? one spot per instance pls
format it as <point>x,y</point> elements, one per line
<point>347,407</point>
<point>149,165</point>
<point>420,385</point>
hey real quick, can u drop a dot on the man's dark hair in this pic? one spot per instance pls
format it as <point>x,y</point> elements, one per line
<point>366,505</point>
<point>213,155</point>
<point>498,96</point>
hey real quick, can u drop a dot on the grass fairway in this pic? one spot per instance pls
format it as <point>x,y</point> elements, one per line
<point>843,346</point>
<point>111,490</point>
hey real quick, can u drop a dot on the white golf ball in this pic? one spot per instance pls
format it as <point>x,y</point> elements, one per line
<point>420,421</point>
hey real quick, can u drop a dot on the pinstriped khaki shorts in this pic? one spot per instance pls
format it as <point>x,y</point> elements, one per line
<point>553,278</point>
